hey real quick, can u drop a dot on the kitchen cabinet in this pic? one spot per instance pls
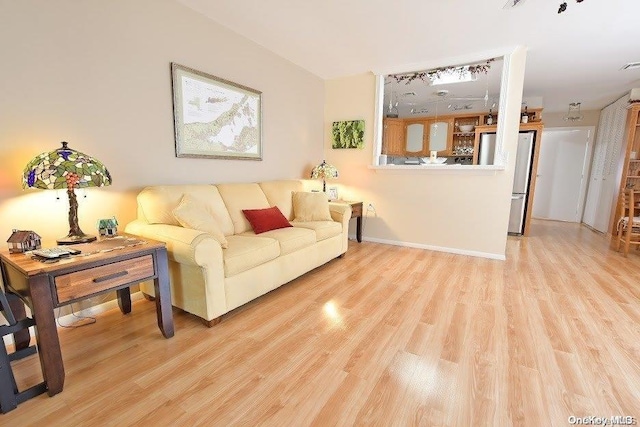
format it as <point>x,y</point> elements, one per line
<point>440,136</point>
<point>464,135</point>
<point>445,134</point>
<point>437,135</point>
<point>415,139</point>
<point>393,137</point>
<point>534,115</point>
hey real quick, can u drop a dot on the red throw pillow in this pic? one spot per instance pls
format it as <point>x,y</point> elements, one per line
<point>262,220</point>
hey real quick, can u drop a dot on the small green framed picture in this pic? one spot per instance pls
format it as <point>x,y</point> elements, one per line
<point>348,134</point>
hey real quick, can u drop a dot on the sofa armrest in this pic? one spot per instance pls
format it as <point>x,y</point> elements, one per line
<point>340,212</point>
<point>184,245</point>
<point>198,287</point>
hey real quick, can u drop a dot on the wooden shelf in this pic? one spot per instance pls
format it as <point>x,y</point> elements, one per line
<point>631,167</point>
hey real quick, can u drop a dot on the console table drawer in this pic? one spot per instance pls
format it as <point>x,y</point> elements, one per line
<point>86,282</point>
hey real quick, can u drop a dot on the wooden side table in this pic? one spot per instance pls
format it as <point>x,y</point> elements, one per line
<point>109,264</point>
<point>356,212</point>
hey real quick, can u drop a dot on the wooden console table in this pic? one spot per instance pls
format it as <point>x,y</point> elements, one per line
<point>356,212</point>
<point>110,264</point>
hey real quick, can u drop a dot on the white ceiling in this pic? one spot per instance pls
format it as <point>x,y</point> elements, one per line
<point>575,56</point>
<point>419,98</point>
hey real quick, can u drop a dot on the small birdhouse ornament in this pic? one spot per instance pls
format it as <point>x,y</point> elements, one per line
<point>23,241</point>
<point>108,227</point>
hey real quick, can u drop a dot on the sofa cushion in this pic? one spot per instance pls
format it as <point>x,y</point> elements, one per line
<point>311,206</point>
<point>156,204</point>
<point>279,194</point>
<point>246,252</point>
<point>263,220</point>
<point>242,196</point>
<point>191,213</point>
<point>323,229</point>
<point>290,239</point>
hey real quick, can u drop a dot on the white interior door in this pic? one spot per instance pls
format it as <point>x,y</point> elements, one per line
<point>561,182</point>
<point>608,154</point>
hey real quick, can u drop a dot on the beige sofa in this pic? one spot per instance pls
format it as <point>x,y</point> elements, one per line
<point>209,281</point>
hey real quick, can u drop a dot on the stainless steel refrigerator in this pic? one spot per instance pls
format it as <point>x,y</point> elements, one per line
<point>521,178</point>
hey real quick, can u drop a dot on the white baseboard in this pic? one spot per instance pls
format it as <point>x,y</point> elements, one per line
<point>90,311</point>
<point>433,248</point>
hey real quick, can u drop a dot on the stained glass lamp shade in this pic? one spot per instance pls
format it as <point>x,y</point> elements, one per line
<point>325,171</point>
<point>68,169</point>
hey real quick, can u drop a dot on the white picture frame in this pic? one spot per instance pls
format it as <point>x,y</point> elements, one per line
<point>332,192</point>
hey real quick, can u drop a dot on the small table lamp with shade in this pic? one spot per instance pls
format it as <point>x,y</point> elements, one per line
<point>68,169</point>
<point>325,171</point>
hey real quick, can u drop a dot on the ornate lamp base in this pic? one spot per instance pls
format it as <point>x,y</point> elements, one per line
<point>73,240</point>
<point>76,235</point>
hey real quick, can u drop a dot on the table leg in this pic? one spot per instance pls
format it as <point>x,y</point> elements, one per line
<point>359,229</point>
<point>46,333</point>
<point>124,300</point>
<point>163,294</point>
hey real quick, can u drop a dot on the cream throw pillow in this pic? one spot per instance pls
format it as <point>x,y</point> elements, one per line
<point>311,206</point>
<point>191,213</point>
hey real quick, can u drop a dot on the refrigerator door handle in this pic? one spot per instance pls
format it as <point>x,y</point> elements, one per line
<point>517,196</point>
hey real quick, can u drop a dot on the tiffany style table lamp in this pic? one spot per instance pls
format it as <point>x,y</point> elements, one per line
<point>325,171</point>
<point>70,169</point>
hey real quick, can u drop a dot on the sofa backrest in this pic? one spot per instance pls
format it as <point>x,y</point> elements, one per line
<point>279,194</point>
<point>156,204</point>
<point>224,201</point>
<point>241,196</point>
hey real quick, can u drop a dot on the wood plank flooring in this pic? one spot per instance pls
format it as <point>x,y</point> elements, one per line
<point>386,336</point>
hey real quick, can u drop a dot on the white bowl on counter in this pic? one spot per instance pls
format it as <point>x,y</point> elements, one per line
<point>466,128</point>
<point>436,161</point>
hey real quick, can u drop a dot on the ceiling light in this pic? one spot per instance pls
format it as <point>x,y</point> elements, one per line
<point>573,115</point>
<point>456,75</point>
<point>563,6</point>
<point>512,3</point>
<point>631,66</point>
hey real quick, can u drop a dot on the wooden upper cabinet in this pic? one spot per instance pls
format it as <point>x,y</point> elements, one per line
<point>440,136</point>
<point>416,137</point>
<point>393,137</point>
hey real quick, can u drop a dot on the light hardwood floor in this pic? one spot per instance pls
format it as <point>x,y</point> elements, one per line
<point>387,336</point>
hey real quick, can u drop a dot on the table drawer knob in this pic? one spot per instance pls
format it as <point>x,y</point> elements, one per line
<point>110,276</point>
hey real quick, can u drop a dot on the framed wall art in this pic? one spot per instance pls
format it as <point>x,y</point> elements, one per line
<point>348,134</point>
<point>215,118</point>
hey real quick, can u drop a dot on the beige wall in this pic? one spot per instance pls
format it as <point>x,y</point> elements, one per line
<point>97,74</point>
<point>465,213</point>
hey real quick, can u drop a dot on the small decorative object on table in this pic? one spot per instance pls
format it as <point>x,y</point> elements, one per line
<point>23,241</point>
<point>332,192</point>
<point>108,227</point>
